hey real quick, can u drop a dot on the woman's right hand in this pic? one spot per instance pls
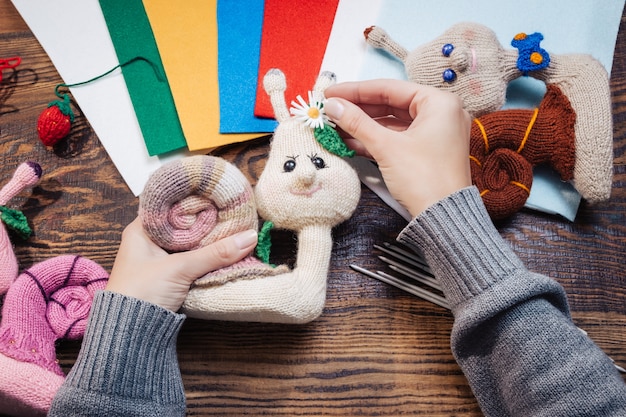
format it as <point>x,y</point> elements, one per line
<point>145,271</point>
<point>418,135</point>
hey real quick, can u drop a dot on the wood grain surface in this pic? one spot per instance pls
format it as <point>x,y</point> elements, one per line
<point>375,351</point>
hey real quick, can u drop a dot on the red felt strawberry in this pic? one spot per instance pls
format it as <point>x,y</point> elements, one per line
<point>55,122</point>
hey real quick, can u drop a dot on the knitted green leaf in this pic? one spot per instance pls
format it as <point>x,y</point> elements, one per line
<point>264,242</point>
<point>64,106</point>
<point>15,220</point>
<point>332,142</point>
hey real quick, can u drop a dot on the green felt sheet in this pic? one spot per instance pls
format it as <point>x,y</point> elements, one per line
<point>150,93</point>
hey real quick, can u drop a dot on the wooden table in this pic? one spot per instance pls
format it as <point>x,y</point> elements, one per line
<point>375,351</point>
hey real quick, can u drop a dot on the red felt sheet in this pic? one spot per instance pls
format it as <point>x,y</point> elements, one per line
<point>294,38</point>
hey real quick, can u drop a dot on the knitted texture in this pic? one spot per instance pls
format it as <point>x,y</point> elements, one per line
<point>294,201</point>
<point>513,335</point>
<point>55,122</point>
<point>483,69</point>
<point>477,58</point>
<point>49,301</point>
<point>26,175</point>
<point>332,142</point>
<point>585,82</point>
<point>303,188</point>
<point>378,38</point>
<point>195,201</point>
<point>15,220</point>
<point>127,365</point>
<point>506,145</point>
<point>264,244</point>
<point>531,57</point>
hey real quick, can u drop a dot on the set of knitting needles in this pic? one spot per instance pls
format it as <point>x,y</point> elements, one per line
<point>415,271</point>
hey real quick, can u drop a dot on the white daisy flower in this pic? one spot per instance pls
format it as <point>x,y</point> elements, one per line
<point>312,113</point>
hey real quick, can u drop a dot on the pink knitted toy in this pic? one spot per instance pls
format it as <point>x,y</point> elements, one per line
<point>49,301</point>
<point>192,202</point>
<point>26,175</point>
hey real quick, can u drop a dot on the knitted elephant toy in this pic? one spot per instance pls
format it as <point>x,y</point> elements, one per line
<point>467,59</point>
<point>305,187</point>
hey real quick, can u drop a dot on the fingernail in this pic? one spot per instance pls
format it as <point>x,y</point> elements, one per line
<point>244,240</point>
<point>334,109</point>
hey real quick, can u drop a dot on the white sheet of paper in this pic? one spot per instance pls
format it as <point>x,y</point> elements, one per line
<point>346,47</point>
<point>80,51</point>
<point>581,27</point>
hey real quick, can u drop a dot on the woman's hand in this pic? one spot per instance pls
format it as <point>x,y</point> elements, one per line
<point>418,135</point>
<point>145,271</point>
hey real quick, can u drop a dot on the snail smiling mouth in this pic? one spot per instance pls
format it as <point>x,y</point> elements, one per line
<point>474,60</point>
<point>307,192</point>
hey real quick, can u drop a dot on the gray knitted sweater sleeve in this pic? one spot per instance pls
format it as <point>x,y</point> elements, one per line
<point>512,336</point>
<point>127,365</point>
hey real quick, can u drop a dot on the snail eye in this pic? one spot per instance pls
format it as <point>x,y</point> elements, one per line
<point>289,165</point>
<point>447,49</point>
<point>318,162</point>
<point>449,75</point>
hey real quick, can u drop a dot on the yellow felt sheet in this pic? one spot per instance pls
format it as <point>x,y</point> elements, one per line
<point>186,35</point>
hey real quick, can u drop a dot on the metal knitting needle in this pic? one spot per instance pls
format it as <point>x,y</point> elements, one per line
<point>420,271</point>
<point>432,297</point>
<point>428,296</point>
<point>405,257</point>
<point>619,368</point>
<point>408,257</point>
<point>416,256</point>
<point>411,273</point>
<point>398,283</point>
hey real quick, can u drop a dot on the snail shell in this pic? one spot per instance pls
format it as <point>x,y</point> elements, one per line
<point>195,201</point>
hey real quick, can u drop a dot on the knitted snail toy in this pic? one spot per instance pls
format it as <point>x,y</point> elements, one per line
<point>505,145</point>
<point>468,60</point>
<point>305,187</point>
<point>49,301</point>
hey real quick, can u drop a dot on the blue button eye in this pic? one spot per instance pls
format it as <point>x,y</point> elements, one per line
<point>449,75</point>
<point>447,49</point>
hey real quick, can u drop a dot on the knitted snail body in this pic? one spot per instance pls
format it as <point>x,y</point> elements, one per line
<point>585,82</point>
<point>47,302</point>
<point>468,60</point>
<point>303,188</point>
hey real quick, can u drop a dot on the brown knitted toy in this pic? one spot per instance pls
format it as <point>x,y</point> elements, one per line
<point>505,145</point>
<point>468,60</point>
